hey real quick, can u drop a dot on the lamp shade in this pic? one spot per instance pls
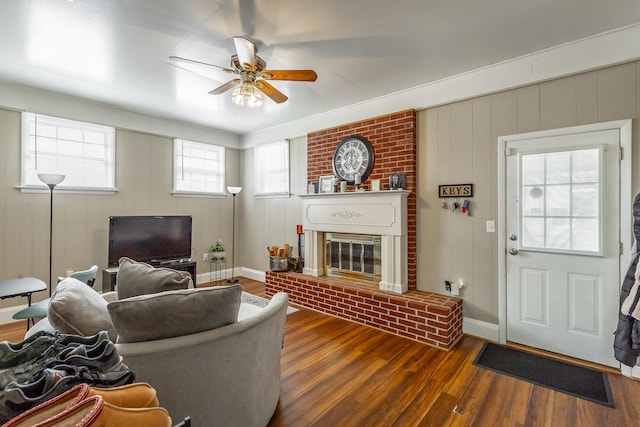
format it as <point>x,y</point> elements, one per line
<point>246,95</point>
<point>51,179</point>
<point>234,190</point>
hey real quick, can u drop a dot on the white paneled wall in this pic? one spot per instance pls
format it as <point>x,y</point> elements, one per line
<point>80,230</point>
<point>271,221</point>
<point>457,143</point>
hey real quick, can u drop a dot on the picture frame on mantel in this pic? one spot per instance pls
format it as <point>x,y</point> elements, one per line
<point>397,181</point>
<point>326,184</point>
<point>375,185</point>
<point>313,187</point>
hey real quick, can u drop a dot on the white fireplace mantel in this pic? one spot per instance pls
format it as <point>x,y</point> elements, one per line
<point>382,213</point>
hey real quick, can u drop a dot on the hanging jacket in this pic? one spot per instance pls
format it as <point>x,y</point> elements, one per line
<point>630,306</point>
<point>626,343</point>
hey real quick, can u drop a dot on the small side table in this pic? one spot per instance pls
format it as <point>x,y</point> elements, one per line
<point>22,287</point>
<point>217,269</point>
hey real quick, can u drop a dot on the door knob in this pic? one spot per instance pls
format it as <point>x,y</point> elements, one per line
<point>513,237</point>
<point>513,251</point>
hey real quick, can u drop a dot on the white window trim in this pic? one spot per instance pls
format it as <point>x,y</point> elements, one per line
<point>38,187</point>
<point>273,194</point>
<point>193,193</point>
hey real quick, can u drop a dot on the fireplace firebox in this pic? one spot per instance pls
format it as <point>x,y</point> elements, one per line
<point>353,255</point>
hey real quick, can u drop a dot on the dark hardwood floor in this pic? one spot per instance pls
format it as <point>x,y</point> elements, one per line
<point>338,373</point>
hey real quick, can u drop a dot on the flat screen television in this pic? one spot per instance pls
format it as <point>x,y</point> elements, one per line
<point>151,239</point>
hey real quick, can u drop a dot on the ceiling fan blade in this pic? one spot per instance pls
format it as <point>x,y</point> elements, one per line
<point>193,61</point>
<point>294,75</point>
<point>271,91</point>
<point>246,53</point>
<point>225,87</point>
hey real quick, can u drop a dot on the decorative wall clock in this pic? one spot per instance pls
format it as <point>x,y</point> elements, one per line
<point>353,157</point>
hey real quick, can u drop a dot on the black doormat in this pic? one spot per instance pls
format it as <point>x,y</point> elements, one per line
<point>575,380</point>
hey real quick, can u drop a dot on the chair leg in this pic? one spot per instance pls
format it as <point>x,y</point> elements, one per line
<point>29,305</point>
<point>184,423</point>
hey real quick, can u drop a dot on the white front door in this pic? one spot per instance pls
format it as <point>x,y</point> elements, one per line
<point>563,243</point>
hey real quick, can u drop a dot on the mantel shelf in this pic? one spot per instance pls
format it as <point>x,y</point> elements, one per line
<point>382,193</point>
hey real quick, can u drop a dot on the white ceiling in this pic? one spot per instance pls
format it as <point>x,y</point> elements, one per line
<point>116,51</point>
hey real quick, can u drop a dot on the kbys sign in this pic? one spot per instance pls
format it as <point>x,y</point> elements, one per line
<point>456,190</point>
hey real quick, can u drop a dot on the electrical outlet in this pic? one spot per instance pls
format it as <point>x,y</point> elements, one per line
<point>447,286</point>
<point>205,257</point>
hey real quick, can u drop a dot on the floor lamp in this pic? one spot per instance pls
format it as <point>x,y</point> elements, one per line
<point>51,179</point>
<point>234,191</point>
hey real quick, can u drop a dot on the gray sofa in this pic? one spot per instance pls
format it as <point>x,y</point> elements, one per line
<point>228,376</point>
<point>225,376</point>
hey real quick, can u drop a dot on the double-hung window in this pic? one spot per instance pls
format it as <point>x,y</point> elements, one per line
<point>198,168</point>
<point>272,169</point>
<point>83,152</point>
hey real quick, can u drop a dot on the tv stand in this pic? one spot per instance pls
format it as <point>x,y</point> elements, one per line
<point>109,274</point>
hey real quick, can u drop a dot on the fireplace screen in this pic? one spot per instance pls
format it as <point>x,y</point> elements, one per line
<point>353,255</point>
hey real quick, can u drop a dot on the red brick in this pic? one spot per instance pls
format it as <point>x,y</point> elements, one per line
<point>438,310</point>
<point>416,332</point>
<point>380,310</point>
<point>407,311</point>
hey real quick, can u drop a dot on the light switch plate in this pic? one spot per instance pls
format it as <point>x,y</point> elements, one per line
<point>491,226</point>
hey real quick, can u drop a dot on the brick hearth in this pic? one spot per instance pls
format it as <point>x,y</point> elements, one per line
<point>429,318</point>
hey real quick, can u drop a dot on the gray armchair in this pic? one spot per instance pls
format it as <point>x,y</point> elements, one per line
<point>228,376</point>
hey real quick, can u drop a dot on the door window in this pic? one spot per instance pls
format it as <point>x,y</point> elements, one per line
<point>560,194</point>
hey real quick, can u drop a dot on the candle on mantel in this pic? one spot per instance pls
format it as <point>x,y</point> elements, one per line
<point>299,228</point>
<point>358,179</point>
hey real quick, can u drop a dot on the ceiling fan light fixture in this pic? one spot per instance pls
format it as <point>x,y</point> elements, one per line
<point>246,95</point>
<point>251,83</point>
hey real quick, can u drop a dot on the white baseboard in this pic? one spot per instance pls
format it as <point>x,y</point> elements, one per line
<point>252,274</point>
<point>207,277</point>
<point>6,314</point>
<point>249,273</point>
<point>480,329</point>
<point>202,278</point>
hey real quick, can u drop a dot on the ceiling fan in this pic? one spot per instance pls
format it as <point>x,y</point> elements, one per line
<point>251,83</point>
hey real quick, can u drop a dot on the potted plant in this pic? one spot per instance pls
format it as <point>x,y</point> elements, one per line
<point>217,250</point>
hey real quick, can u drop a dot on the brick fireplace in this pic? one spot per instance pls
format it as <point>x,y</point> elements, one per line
<point>393,304</point>
<point>393,138</point>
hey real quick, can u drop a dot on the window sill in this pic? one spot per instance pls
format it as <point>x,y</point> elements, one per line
<point>31,189</point>
<point>196,194</point>
<point>272,196</point>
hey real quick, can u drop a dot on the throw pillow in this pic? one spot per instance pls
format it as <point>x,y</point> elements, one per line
<point>174,313</point>
<point>75,308</point>
<point>137,278</point>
